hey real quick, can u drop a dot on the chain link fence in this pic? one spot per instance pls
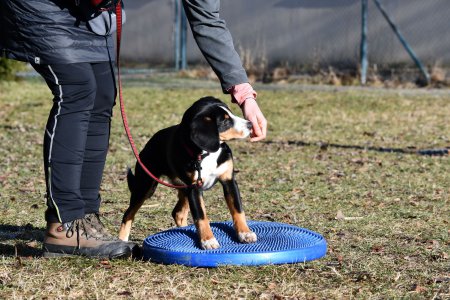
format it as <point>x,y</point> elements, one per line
<point>301,35</point>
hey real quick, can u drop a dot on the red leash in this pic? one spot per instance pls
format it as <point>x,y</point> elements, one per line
<point>122,108</point>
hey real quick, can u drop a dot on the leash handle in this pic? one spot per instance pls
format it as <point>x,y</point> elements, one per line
<point>122,106</point>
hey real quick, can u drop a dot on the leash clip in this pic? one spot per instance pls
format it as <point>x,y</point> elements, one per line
<point>199,183</point>
<point>198,168</point>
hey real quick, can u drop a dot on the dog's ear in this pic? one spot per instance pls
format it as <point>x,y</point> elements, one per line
<point>205,134</point>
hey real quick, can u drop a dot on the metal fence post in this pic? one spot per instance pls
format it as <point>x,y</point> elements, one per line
<point>363,49</point>
<point>180,36</point>
<point>183,40</point>
<point>403,42</point>
<point>176,30</point>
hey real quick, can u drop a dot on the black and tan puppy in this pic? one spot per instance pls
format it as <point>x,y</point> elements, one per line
<point>174,152</point>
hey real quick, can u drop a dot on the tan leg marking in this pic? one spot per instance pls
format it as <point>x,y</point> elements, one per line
<point>207,239</point>
<point>125,227</point>
<point>181,210</point>
<point>245,235</point>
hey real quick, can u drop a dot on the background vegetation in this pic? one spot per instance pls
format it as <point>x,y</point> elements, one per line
<point>9,68</point>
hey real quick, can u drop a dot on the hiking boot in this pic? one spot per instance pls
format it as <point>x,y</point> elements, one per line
<point>78,237</point>
<point>99,230</point>
<point>97,227</point>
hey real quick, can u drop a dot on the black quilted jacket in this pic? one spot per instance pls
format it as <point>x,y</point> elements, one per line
<point>55,32</point>
<point>49,32</point>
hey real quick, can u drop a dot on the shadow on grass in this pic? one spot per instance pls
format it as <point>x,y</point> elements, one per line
<point>20,241</point>
<point>409,150</point>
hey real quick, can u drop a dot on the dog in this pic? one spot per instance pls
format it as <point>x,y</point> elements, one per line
<point>181,152</point>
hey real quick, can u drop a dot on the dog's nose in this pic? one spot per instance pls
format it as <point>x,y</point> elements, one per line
<point>249,125</point>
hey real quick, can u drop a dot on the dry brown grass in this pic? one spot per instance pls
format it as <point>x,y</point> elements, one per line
<point>395,77</point>
<point>384,215</point>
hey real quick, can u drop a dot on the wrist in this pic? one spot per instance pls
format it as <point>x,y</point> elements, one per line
<point>246,101</point>
<point>242,92</point>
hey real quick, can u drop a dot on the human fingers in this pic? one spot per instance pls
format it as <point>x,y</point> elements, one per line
<point>253,113</point>
<point>261,128</point>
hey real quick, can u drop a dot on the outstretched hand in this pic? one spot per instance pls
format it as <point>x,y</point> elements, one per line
<point>253,113</point>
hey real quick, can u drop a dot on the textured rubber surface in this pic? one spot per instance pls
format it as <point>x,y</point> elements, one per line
<point>277,243</point>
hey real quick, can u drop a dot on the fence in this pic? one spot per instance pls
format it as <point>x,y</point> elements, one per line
<point>299,33</point>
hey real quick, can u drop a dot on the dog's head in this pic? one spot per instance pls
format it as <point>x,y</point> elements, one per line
<point>209,121</point>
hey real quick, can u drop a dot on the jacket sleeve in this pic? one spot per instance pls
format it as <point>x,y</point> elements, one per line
<point>215,41</point>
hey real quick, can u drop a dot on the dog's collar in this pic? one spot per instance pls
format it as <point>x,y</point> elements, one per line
<point>197,163</point>
<point>191,153</point>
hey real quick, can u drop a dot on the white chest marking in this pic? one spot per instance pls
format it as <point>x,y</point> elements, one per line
<point>210,171</point>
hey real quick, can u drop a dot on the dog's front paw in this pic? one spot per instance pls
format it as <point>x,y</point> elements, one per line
<point>210,244</point>
<point>247,237</point>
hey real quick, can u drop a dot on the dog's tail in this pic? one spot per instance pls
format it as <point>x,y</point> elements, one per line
<point>130,179</point>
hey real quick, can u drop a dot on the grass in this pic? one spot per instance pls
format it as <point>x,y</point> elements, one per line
<point>384,215</point>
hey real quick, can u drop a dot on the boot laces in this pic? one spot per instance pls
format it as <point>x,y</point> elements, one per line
<point>83,228</point>
<point>77,227</point>
<point>97,227</point>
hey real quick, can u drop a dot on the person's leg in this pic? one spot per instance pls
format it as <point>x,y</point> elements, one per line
<point>98,136</point>
<point>74,90</point>
<point>69,229</point>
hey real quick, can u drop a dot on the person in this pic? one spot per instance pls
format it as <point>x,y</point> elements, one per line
<point>61,39</point>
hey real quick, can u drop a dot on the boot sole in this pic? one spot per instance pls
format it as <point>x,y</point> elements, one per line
<point>68,251</point>
<point>65,255</point>
<point>56,255</point>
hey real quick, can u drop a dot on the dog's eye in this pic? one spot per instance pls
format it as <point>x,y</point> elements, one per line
<point>227,121</point>
<point>226,116</point>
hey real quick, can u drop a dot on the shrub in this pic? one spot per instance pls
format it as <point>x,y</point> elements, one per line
<point>9,68</point>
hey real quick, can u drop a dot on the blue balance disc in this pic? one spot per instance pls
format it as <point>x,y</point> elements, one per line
<point>277,243</point>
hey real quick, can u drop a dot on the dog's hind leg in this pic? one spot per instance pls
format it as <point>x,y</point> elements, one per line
<point>142,187</point>
<point>181,210</point>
